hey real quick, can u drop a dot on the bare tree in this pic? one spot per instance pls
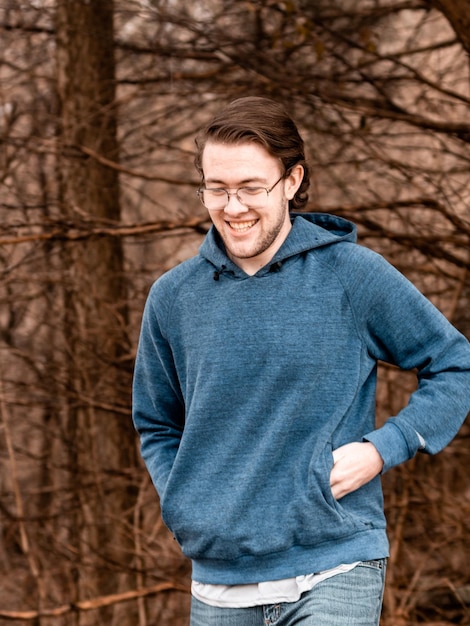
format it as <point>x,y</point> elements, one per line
<point>95,319</point>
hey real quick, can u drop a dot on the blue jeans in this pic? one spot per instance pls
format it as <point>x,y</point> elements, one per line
<point>350,599</point>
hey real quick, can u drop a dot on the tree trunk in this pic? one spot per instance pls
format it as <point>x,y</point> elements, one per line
<point>96,421</point>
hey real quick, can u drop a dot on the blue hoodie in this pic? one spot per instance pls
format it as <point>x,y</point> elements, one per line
<point>244,385</point>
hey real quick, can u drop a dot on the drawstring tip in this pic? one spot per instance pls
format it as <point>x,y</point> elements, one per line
<point>217,273</point>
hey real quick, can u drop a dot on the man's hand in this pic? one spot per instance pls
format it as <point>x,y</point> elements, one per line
<point>355,464</point>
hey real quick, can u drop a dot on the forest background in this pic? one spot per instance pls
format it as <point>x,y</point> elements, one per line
<point>99,104</point>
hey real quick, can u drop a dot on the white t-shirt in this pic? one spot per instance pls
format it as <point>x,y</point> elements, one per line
<point>257,594</point>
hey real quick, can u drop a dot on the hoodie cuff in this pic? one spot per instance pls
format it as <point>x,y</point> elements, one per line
<point>392,445</point>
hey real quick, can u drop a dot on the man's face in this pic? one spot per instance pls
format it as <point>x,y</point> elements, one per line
<point>251,236</point>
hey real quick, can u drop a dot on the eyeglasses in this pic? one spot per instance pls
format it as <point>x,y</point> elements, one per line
<point>216,199</point>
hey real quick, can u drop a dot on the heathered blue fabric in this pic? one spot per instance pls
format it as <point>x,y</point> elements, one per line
<point>245,384</point>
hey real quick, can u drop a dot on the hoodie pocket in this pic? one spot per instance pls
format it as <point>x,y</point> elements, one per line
<point>259,517</point>
<point>319,478</point>
<point>321,517</point>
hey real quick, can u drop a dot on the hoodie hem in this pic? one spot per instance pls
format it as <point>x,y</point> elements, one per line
<point>297,561</point>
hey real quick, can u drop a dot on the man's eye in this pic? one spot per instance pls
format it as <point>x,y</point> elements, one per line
<point>216,192</point>
<point>252,191</point>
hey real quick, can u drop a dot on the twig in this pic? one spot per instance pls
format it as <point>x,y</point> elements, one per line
<point>95,603</point>
<point>24,539</point>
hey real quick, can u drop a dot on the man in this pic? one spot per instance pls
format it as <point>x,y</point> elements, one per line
<point>254,392</point>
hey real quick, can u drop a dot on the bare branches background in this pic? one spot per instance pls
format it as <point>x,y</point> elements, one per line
<point>99,104</point>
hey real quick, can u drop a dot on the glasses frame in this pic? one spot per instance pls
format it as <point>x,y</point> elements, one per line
<point>200,193</point>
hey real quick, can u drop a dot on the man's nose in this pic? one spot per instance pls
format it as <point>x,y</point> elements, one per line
<point>234,205</point>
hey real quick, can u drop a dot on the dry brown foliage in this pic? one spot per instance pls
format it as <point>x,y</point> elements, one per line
<point>97,200</point>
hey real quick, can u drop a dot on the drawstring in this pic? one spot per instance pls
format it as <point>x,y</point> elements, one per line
<point>217,273</point>
<point>275,267</point>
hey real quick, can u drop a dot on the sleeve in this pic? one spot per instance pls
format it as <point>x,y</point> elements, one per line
<point>157,402</point>
<point>404,328</point>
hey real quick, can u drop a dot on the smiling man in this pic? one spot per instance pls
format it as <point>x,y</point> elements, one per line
<point>255,382</point>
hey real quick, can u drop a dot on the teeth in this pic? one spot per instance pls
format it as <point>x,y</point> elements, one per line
<point>240,226</point>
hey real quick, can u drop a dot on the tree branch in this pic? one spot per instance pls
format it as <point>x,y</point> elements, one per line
<point>95,603</point>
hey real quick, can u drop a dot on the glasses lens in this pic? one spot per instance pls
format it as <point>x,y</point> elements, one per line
<point>253,196</point>
<point>214,198</point>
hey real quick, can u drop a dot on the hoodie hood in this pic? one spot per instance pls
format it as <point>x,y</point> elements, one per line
<point>309,231</point>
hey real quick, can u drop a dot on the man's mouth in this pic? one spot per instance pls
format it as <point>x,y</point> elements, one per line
<point>242,226</point>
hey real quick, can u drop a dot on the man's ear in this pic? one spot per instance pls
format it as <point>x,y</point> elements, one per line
<point>293,181</point>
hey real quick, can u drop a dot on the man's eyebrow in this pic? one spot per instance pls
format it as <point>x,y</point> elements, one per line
<point>241,183</point>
